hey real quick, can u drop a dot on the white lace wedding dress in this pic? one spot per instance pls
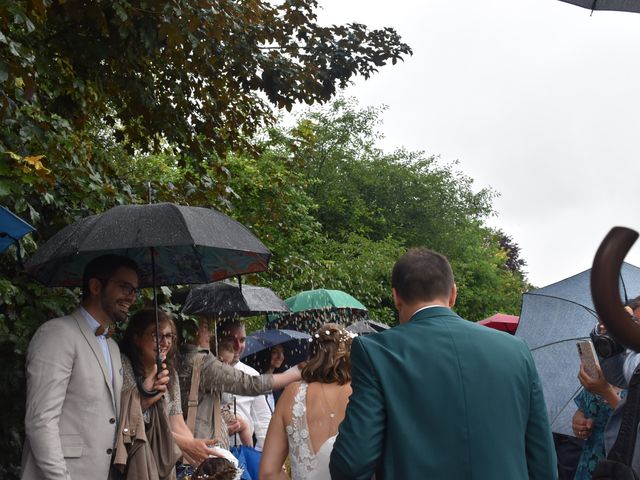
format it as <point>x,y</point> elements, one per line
<point>305,464</point>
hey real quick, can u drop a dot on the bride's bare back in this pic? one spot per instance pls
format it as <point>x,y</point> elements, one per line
<point>325,407</point>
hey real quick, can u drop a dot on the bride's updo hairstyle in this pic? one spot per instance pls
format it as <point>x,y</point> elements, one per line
<point>330,356</point>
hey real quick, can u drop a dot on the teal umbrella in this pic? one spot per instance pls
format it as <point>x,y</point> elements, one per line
<point>311,308</point>
<point>323,299</point>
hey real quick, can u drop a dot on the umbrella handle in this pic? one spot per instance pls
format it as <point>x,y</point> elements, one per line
<point>605,273</point>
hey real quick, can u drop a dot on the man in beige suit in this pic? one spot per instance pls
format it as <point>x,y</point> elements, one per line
<point>74,379</point>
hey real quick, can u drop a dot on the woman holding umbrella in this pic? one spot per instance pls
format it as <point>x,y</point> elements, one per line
<point>139,360</point>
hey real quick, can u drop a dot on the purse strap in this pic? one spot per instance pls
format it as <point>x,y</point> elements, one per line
<point>192,403</point>
<point>625,443</point>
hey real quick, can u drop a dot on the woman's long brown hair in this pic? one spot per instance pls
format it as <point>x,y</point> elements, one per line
<point>330,360</point>
<point>138,323</point>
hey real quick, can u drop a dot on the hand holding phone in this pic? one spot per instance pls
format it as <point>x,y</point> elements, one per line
<point>588,357</point>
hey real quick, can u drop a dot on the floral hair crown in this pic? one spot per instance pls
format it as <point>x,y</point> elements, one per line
<point>339,334</point>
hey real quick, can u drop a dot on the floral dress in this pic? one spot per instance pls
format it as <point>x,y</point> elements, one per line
<point>594,407</point>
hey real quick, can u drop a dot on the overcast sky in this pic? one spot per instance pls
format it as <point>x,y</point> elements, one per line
<point>536,99</point>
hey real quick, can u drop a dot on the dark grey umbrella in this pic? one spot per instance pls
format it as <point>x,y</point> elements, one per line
<point>616,5</point>
<point>172,245</point>
<point>221,299</point>
<point>364,327</point>
<point>552,320</point>
<point>185,245</point>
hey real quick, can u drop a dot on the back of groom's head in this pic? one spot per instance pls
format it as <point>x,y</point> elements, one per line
<point>422,275</point>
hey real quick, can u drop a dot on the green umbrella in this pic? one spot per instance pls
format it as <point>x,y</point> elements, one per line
<point>312,308</point>
<point>323,299</point>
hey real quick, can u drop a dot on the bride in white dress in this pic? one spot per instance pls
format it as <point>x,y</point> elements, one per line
<point>305,422</point>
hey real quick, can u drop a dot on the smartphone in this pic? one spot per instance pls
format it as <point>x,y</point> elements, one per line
<point>588,357</point>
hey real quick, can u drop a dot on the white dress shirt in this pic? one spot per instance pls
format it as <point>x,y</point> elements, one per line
<point>102,339</point>
<point>254,409</point>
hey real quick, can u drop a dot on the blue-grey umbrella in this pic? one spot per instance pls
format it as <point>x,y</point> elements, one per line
<point>552,320</point>
<point>12,228</point>
<point>258,344</point>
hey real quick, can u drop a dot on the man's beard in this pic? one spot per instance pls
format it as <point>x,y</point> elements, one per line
<point>110,308</point>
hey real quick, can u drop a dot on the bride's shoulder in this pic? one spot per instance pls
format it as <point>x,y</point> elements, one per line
<point>292,388</point>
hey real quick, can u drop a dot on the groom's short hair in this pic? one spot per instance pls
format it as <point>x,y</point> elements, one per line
<point>422,274</point>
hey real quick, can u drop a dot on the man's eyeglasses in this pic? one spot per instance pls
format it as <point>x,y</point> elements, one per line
<point>128,289</point>
<point>167,337</point>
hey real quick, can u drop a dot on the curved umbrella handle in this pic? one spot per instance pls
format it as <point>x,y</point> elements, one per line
<point>605,273</point>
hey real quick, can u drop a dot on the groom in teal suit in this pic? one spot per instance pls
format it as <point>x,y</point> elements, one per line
<point>439,397</point>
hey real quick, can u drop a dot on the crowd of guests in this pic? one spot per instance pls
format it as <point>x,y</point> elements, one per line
<point>435,397</point>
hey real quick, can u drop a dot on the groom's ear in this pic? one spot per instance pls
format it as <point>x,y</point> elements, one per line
<point>397,301</point>
<point>453,295</point>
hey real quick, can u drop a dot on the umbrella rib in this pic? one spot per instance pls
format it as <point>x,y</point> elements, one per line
<point>194,247</point>
<point>563,300</point>
<point>565,405</point>
<point>193,244</point>
<point>559,341</point>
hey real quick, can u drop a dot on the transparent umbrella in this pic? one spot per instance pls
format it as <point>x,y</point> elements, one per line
<point>552,320</point>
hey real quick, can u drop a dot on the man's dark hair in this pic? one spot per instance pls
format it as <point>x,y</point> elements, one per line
<point>103,268</point>
<point>422,275</point>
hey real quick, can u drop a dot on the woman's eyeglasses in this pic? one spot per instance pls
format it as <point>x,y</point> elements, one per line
<point>167,337</point>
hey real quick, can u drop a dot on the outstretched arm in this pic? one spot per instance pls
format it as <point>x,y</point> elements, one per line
<point>281,380</point>
<point>195,450</point>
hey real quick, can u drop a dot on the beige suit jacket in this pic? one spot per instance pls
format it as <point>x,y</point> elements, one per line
<point>72,405</point>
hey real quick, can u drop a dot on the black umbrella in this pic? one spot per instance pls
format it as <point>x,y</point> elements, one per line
<point>184,245</point>
<point>364,327</point>
<point>221,299</point>
<point>552,320</point>
<point>172,244</point>
<point>617,5</point>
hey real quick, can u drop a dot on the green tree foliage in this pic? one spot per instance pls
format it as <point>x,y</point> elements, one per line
<point>335,210</point>
<point>408,197</point>
<point>99,98</point>
<point>201,75</point>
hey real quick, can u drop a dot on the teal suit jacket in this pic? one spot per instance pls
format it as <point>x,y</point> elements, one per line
<point>443,398</point>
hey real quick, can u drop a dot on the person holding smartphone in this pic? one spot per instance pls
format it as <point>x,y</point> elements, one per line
<point>595,403</point>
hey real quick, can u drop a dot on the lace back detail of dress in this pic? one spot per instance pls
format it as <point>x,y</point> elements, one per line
<point>303,460</point>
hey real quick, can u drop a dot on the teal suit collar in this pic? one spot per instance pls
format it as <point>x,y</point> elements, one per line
<point>431,312</point>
